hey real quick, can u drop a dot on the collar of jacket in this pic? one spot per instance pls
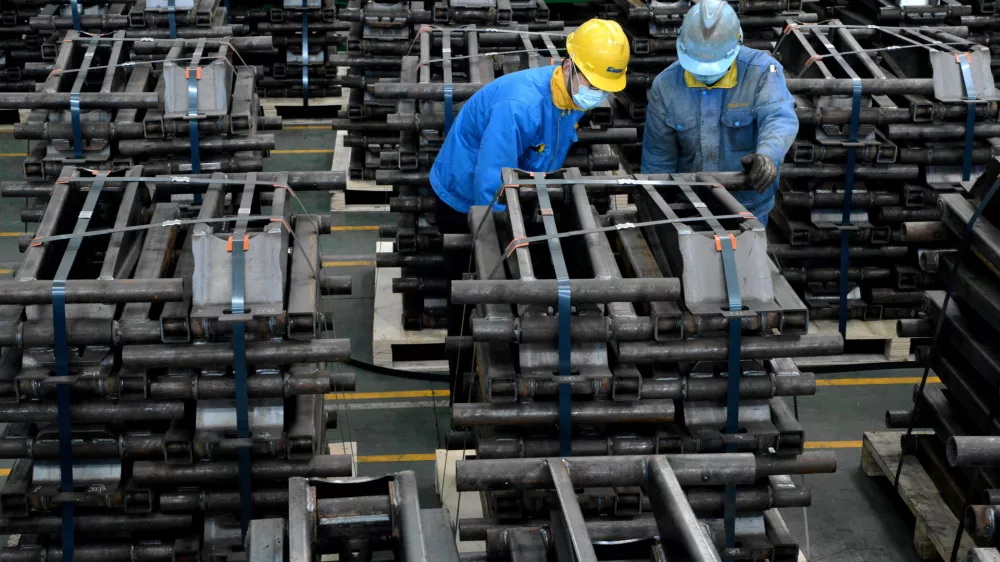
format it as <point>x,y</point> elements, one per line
<point>560,95</point>
<point>727,82</point>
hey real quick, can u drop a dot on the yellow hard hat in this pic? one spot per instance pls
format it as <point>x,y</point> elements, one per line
<point>599,49</point>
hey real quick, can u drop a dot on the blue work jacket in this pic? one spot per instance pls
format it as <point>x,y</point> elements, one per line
<point>707,129</point>
<point>512,122</point>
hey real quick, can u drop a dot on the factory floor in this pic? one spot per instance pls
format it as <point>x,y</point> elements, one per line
<point>397,424</point>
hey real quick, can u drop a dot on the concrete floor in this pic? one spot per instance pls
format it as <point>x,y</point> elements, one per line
<point>853,518</point>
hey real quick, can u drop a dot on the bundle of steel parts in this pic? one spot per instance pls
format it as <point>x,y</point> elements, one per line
<point>607,333</point>
<point>175,106</point>
<point>31,30</point>
<point>962,412</point>
<point>890,120</point>
<point>980,16</point>
<point>165,365</point>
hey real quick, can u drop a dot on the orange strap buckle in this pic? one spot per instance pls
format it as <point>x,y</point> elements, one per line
<point>197,73</point>
<point>718,242</point>
<point>246,243</point>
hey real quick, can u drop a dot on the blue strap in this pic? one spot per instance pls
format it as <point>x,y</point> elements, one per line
<point>964,61</point>
<point>75,11</point>
<point>565,394</point>
<point>305,53</point>
<point>731,275</point>
<point>60,352</point>
<point>226,4</point>
<point>172,19</point>
<point>74,113</point>
<point>565,313</point>
<point>449,115</point>
<point>193,119</point>
<point>240,373</point>
<point>845,219</point>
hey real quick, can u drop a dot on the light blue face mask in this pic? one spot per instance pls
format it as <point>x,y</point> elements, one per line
<point>709,80</point>
<point>587,98</point>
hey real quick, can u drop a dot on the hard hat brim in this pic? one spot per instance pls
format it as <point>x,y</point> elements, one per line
<point>695,66</point>
<point>612,85</point>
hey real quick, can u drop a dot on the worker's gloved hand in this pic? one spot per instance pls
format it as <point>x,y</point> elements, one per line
<point>762,171</point>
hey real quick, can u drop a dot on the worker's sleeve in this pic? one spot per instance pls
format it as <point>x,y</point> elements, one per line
<point>659,140</point>
<point>775,113</point>
<point>509,127</point>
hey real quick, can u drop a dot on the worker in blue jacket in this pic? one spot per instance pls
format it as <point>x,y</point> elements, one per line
<point>525,120</point>
<point>722,107</point>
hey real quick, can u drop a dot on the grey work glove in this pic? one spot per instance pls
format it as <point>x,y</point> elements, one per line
<point>761,170</point>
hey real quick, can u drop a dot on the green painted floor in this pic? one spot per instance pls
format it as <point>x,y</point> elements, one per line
<point>852,519</point>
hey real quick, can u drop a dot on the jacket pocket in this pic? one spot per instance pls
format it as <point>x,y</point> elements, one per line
<point>738,131</point>
<point>536,158</point>
<point>685,126</point>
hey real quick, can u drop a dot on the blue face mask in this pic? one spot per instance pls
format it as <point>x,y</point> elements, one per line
<point>709,80</point>
<point>587,98</point>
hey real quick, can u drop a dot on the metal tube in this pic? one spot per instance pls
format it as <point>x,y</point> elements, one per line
<point>94,412</point>
<point>146,473</point>
<point>545,291</point>
<point>589,472</point>
<point>142,147</point>
<point>547,413</point>
<point>717,349</point>
<point>973,451</point>
<point>88,100</point>
<point>94,291</point>
<point>673,513</point>
<point>116,523</point>
<point>259,353</point>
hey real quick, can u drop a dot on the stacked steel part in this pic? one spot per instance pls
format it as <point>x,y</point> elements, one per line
<point>963,412</point>
<point>164,366</point>
<point>400,148</point>
<point>649,327</point>
<point>356,519</point>
<point>31,30</point>
<point>306,35</point>
<point>890,119</point>
<point>980,16</point>
<point>176,106</point>
<point>653,27</point>
<point>636,507</point>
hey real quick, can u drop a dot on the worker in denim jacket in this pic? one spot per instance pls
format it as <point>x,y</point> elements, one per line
<point>722,107</point>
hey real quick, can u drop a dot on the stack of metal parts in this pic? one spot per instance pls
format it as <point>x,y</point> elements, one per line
<point>653,26</point>
<point>164,365</point>
<point>615,341</point>
<point>964,448</point>
<point>354,519</point>
<point>886,116</point>
<point>980,16</point>
<point>418,109</point>
<point>176,106</point>
<point>31,30</point>
<point>306,35</point>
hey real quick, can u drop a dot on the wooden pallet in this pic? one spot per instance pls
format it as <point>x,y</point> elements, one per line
<point>392,346</point>
<point>862,345</point>
<point>934,532</point>
<point>359,195</point>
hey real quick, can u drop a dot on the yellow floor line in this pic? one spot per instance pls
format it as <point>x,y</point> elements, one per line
<point>12,154</point>
<point>4,472</point>
<point>353,263</point>
<point>354,228</point>
<point>304,151</point>
<point>10,234</point>
<point>833,445</point>
<point>6,271</point>
<point>442,392</point>
<point>419,457</point>
<point>874,381</point>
